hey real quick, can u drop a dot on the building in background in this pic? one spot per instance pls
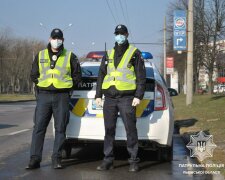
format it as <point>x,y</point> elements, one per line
<point>219,68</point>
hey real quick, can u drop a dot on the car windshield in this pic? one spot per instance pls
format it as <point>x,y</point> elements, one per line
<point>93,71</point>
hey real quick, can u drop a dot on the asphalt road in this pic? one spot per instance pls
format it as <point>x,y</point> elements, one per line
<point>15,136</point>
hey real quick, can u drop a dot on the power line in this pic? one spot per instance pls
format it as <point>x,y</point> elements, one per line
<point>156,44</point>
<point>111,11</point>
<point>122,11</point>
<point>117,14</point>
<point>127,12</point>
<point>126,18</point>
<point>128,21</point>
<point>149,35</point>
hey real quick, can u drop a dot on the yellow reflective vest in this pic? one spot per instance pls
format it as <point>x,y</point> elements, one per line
<point>60,76</point>
<point>123,77</point>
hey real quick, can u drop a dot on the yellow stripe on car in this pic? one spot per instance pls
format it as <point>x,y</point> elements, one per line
<point>99,115</point>
<point>141,107</point>
<point>80,107</point>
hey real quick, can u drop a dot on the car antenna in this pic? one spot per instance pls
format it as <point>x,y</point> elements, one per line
<point>106,55</point>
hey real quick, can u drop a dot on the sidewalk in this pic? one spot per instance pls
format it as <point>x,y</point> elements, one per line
<point>12,98</point>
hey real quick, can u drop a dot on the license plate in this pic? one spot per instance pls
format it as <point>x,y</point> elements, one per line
<point>95,106</point>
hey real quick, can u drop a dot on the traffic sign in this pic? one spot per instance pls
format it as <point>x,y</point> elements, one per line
<point>169,65</point>
<point>179,31</point>
<point>179,43</point>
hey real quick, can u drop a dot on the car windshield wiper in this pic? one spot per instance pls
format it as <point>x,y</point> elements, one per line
<point>87,72</point>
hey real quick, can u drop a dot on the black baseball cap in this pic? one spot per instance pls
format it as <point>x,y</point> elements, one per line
<point>57,33</point>
<point>121,29</point>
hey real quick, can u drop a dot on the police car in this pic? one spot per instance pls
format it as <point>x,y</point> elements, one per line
<point>155,116</point>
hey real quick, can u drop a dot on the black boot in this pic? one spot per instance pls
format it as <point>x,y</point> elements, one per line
<point>106,165</point>
<point>133,167</point>
<point>56,163</point>
<point>33,164</point>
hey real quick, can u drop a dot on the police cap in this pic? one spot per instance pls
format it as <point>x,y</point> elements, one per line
<point>57,33</point>
<point>121,29</point>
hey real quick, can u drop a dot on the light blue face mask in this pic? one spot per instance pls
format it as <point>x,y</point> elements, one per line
<point>120,39</point>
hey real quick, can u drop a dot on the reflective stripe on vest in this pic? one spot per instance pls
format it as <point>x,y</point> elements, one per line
<point>122,77</point>
<point>60,76</point>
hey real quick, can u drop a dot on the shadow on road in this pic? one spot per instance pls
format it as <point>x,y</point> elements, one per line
<point>82,155</point>
<point>3,126</point>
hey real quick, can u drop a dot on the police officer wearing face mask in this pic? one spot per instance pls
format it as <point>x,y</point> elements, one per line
<point>122,80</point>
<point>54,71</point>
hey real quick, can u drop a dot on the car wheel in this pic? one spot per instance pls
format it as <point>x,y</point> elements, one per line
<point>165,154</point>
<point>66,152</point>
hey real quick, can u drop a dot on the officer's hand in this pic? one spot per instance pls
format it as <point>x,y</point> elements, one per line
<point>98,101</point>
<point>136,101</point>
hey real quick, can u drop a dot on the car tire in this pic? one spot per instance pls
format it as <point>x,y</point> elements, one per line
<point>67,150</point>
<point>165,154</point>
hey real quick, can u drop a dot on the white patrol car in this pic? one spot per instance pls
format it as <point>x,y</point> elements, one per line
<point>155,116</point>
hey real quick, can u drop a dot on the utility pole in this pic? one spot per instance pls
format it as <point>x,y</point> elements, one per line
<point>164,48</point>
<point>189,95</point>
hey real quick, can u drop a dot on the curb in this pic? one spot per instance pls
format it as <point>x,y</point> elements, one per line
<point>6,102</point>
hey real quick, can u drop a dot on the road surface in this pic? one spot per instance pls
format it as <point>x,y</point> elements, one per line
<point>16,123</point>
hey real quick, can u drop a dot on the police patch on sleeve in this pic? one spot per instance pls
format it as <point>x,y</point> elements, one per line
<point>43,60</point>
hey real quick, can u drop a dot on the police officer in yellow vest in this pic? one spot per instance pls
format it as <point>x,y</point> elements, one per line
<point>122,80</point>
<point>54,71</point>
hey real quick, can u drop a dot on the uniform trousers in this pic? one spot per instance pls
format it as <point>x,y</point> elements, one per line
<point>111,107</point>
<point>48,104</point>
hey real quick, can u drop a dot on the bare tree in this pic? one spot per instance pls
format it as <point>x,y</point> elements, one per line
<point>16,56</point>
<point>4,44</point>
<point>213,31</point>
<point>209,17</point>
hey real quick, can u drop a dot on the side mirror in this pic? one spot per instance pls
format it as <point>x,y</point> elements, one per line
<point>172,92</point>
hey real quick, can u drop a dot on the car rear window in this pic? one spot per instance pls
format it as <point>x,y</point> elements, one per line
<point>88,71</point>
<point>93,71</point>
<point>90,74</point>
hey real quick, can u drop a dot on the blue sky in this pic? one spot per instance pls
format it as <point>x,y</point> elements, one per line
<point>93,23</point>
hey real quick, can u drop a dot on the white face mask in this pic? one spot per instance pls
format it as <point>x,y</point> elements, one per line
<point>56,43</point>
<point>120,39</point>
